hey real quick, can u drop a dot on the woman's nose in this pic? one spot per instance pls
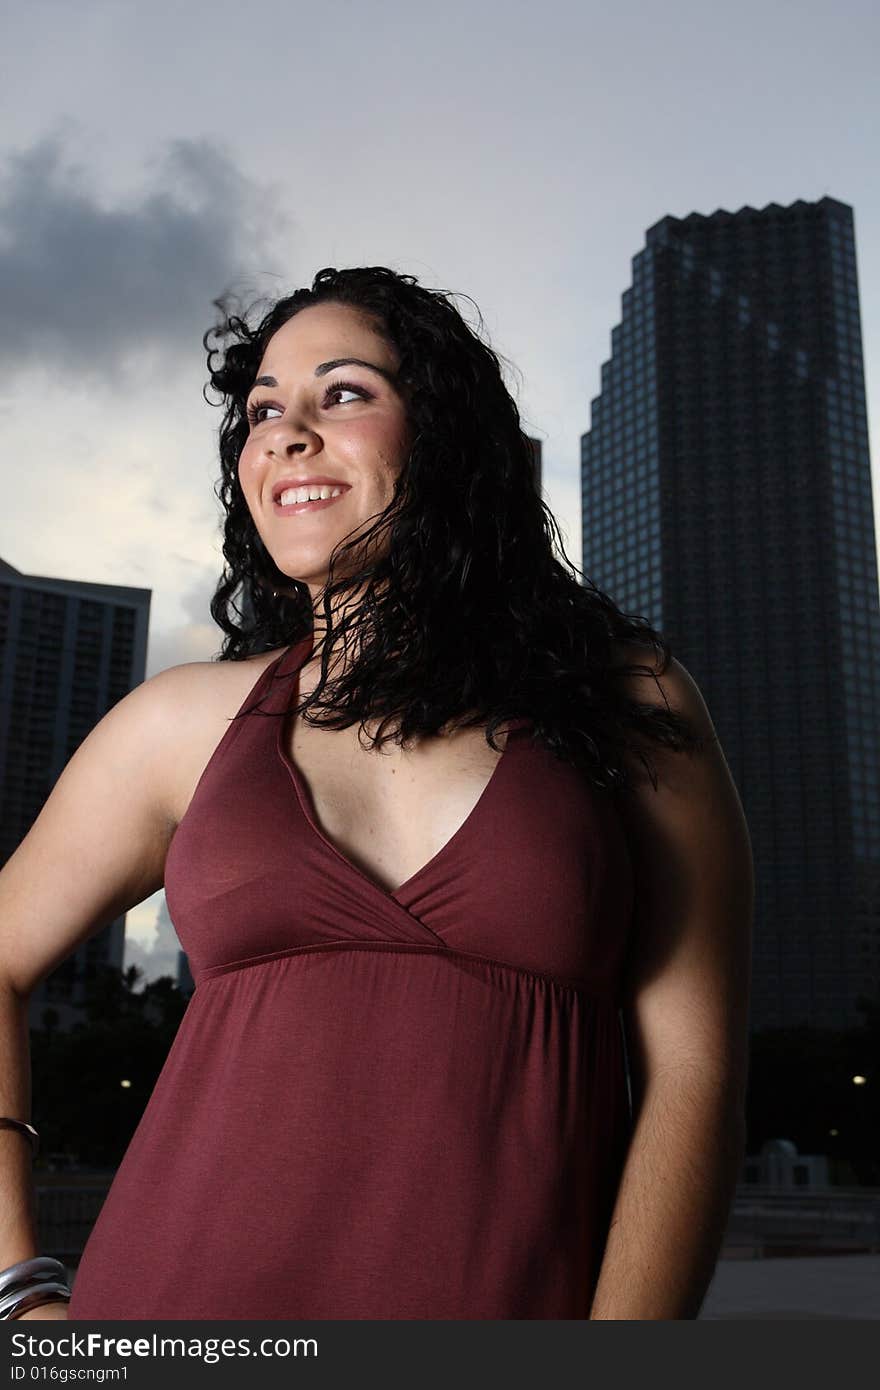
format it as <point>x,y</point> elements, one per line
<point>287,438</point>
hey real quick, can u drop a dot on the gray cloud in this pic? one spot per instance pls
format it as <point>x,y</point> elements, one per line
<point>88,287</point>
<point>198,638</point>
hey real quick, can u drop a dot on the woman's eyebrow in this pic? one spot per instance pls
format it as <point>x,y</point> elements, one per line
<point>324,367</point>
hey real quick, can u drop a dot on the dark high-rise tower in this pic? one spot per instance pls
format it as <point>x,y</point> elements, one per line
<point>69,650</point>
<point>727,497</point>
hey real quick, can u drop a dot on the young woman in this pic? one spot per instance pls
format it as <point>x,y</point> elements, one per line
<point>465,885</point>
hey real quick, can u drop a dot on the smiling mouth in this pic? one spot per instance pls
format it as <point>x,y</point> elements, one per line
<point>295,508</point>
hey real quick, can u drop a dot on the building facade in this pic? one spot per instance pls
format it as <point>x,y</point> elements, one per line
<point>727,498</point>
<point>68,652</point>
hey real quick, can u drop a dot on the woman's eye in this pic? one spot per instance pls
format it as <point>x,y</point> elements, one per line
<point>256,416</point>
<point>343,390</point>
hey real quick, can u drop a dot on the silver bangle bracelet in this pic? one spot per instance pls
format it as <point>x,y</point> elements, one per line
<point>50,1291</point>
<point>25,1129</point>
<point>41,1275</point>
<point>30,1271</point>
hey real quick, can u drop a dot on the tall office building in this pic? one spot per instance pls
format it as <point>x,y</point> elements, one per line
<point>727,498</point>
<point>68,652</point>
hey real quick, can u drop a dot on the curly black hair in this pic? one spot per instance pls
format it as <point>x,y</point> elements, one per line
<point>466,616</point>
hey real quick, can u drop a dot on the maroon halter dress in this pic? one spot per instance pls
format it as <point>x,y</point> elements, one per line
<point>379,1105</point>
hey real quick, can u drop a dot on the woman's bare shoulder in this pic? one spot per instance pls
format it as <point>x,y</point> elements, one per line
<point>217,680</point>
<point>194,702</point>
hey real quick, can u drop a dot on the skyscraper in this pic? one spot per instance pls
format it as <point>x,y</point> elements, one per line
<point>69,651</point>
<point>727,498</point>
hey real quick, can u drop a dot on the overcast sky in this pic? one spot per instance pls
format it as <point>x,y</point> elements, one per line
<point>151,157</point>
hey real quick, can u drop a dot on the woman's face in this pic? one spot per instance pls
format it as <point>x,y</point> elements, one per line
<point>306,425</point>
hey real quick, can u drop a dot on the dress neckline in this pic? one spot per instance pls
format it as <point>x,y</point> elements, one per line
<point>515,727</point>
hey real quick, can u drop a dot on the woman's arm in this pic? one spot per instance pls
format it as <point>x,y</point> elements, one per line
<point>686,1000</point>
<point>96,848</point>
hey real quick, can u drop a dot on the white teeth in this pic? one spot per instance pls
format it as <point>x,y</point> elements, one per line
<point>308,494</point>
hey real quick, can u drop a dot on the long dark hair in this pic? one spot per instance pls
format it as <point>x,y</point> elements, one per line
<point>466,616</point>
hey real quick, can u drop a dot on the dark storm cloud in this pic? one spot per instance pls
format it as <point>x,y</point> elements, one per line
<point>83,284</point>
